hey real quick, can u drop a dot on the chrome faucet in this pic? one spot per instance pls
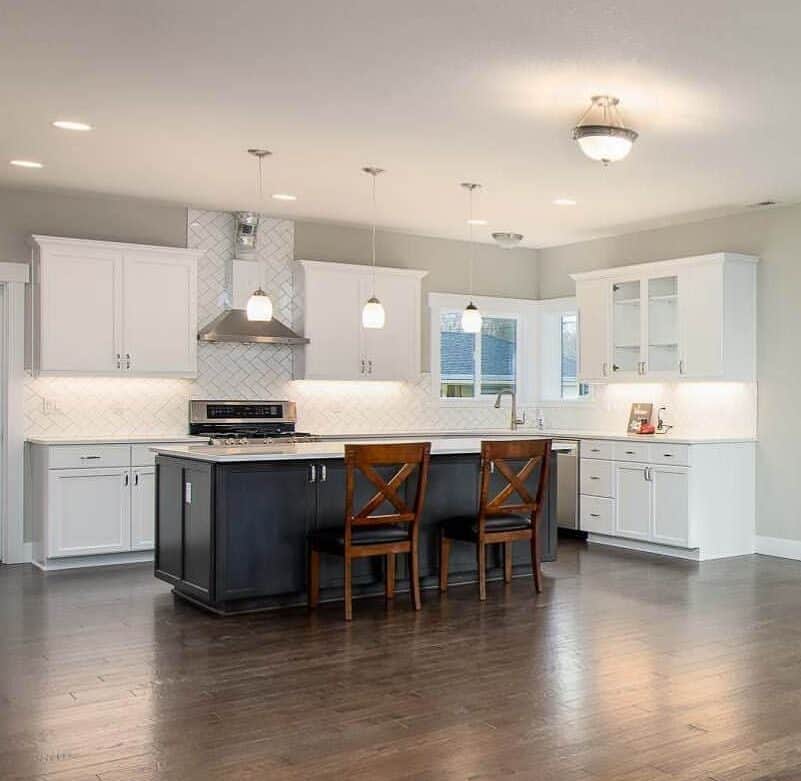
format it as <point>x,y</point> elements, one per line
<point>515,421</point>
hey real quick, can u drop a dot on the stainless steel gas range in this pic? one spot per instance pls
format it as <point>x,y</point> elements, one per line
<point>245,422</point>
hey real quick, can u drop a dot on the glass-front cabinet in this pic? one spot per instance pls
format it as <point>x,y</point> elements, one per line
<point>645,326</point>
<point>627,327</point>
<point>663,326</point>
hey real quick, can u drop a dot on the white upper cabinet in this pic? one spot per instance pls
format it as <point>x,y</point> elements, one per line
<point>333,295</point>
<point>159,336</point>
<point>691,318</point>
<point>103,308</point>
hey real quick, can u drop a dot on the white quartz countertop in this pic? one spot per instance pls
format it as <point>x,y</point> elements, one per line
<point>113,440</point>
<point>441,444</point>
<point>566,434</point>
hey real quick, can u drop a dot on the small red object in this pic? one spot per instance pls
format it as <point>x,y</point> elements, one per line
<point>646,428</point>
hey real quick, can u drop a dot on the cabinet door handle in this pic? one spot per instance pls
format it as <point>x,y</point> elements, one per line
<point>312,473</point>
<point>90,458</point>
<point>615,367</point>
<point>681,366</point>
<point>128,360</point>
<point>119,361</point>
<point>363,367</point>
<point>126,479</point>
<point>136,478</point>
<point>369,367</point>
<point>605,369</point>
<point>323,473</point>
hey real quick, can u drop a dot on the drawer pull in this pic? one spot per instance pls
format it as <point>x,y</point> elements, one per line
<point>667,455</point>
<point>595,515</point>
<point>630,452</point>
<point>90,458</point>
<point>595,450</point>
<point>594,477</point>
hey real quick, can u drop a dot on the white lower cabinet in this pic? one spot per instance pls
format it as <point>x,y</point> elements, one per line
<point>670,505</point>
<point>91,503</point>
<point>695,501</point>
<point>634,501</point>
<point>143,504</point>
<point>90,511</point>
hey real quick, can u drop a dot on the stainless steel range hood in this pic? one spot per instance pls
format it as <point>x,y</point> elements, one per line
<point>233,326</point>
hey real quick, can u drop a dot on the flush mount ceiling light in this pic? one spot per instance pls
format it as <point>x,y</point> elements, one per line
<point>26,163</point>
<point>471,317</point>
<point>477,221</point>
<point>601,133</point>
<point>373,315</point>
<point>563,202</point>
<point>284,197</point>
<point>508,240</point>
<point>259,307</point>
<point>69,124</point>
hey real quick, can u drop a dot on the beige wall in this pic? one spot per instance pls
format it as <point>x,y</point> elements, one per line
<point>498,272</point>
<point>23,212</point>
<point>775,236</point>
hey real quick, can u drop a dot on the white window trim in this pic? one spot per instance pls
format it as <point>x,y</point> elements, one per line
<point>519,309</point>
<point>529,315</point>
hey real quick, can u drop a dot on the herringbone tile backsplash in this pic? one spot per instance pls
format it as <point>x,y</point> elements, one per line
<point>118,406</point>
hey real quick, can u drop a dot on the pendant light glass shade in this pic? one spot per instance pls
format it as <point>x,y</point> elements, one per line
<point>259,307</point>
<point>604,137</point>
<point>471,319</point>
<point>373,315</point>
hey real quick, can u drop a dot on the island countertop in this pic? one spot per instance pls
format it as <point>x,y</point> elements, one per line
<point>451,443</point>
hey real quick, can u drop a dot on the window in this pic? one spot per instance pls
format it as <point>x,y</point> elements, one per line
<point>570,387</point>
<point>472,367</point>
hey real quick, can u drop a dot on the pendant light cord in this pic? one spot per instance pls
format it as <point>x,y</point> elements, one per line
<point>375,215</point>
<point>470,239</point>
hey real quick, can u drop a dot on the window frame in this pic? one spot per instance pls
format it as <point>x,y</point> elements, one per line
<point>518,309</point>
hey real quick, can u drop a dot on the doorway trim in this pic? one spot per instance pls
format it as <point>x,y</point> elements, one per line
<point>13,279</point>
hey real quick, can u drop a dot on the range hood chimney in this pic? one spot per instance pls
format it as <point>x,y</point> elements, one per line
<point>242,279</point>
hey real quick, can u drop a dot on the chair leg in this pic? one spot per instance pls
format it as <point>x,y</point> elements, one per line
<point>348,590</point>
<point>507,562</point>
<point>314,578</point>
<point>444,557</point>
<point>535,560</point>
<point>389,582</point>
<point>481,553</point>
<point>414,577</point>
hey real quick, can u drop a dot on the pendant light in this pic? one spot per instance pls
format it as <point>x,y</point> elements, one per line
<point>259,307</point>
<point>603,136</point>
<point>471,317</point>
<point>373,315</point>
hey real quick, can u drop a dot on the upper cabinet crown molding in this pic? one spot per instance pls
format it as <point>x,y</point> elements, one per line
<point>360,269</point>
<point>102,308</point>
<point>691,318</point>
<point>39,240</point>
<point>330,316</point>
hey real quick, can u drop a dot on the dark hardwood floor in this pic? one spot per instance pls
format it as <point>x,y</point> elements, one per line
<point>626,667</point>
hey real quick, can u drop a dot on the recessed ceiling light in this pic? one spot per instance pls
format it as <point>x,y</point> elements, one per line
<point>564,202</point>
<point>26,164</point>
<point>477,222</point>
<point>69,124</point>
<point>284,197</point>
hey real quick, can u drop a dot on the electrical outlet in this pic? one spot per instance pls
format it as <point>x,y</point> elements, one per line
<point>49,407</point>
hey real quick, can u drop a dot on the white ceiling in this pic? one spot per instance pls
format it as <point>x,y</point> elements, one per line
<point>435,91</point>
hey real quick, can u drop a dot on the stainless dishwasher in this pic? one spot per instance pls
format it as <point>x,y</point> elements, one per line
<point>567,516</point>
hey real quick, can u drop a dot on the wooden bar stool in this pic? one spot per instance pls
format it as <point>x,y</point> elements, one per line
<point>365,534</point>
<point>502,519</point>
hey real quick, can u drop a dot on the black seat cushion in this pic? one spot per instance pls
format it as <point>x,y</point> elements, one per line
<point>465,527</point>
<point>334,539</point>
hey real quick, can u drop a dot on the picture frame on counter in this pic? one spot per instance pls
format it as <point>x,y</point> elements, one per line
<point>640,413</point>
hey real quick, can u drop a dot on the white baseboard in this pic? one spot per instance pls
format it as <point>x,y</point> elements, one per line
<point>643,546</point>
<point>103,560</point>
<point>777,546</point>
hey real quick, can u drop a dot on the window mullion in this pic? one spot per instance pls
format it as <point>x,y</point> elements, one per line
<point>477,367</point>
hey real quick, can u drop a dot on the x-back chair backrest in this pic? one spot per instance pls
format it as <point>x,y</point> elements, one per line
<point>495,456</point>
<point>409,458</point>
